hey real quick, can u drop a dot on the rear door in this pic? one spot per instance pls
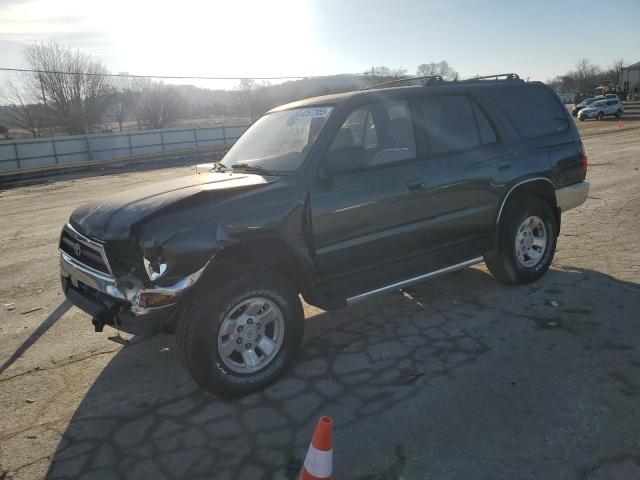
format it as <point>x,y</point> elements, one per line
<point>468,157</point>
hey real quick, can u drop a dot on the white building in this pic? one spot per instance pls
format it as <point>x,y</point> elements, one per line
<point>630,80</point>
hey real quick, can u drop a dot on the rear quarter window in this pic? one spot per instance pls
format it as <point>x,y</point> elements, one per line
<point>534,111</point>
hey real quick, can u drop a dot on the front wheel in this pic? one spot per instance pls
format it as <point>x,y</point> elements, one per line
<point>600,115</point>
<point>527,241</point>
<point>240,335</point>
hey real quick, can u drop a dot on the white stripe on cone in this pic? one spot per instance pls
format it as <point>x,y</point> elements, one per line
<point>318,462</point>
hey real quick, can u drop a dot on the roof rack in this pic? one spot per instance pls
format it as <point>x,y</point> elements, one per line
<point>507,77</point>
<point>427,80</point>
<point>434,79</point>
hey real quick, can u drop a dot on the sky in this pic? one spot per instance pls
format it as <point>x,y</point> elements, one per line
<point>538,39</point>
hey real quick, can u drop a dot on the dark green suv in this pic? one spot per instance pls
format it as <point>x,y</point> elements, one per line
<point>334,198</point>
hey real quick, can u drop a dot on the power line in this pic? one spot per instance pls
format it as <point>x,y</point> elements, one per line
<point>168,77</point>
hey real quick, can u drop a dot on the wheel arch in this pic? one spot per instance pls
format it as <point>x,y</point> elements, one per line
<point>541,187</point>
<point>272,253</point>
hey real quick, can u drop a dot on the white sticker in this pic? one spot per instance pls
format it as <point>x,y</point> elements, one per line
<point>317,112</point>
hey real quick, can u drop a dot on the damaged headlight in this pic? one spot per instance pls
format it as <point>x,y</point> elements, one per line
<point>154,263</point>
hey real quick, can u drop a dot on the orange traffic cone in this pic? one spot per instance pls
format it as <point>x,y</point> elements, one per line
<point>319,459</point>
<point>620,124</point>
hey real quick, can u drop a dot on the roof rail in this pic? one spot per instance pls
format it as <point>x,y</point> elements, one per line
<point>428,79</point>
<point>507,77</point>
<point>433,79</point>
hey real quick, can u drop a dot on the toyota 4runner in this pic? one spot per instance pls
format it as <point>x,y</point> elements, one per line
<point>335,198</point>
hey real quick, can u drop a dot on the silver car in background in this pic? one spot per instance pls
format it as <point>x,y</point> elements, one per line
<point>602,108</point>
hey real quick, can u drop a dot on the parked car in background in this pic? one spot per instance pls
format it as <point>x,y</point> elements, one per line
<point>581,105</point>
<point>335,198</point>
<point>602,108</point>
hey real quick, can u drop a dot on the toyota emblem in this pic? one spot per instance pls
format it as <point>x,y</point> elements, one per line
<point>77,249</point>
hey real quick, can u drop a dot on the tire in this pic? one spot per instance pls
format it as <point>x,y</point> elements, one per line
<point>582,119</point>
<point>618,113</point>
<point>506,265</point>
<point>199,338</point>
<point>600,115</point>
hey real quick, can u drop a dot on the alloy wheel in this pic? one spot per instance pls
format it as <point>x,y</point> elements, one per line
<point>251,335</point>
<point>531,241</point>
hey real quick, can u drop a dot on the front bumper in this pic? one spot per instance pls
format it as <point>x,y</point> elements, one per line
<point>121,304</point>
<point>582,114</point>
<point>572,196</point>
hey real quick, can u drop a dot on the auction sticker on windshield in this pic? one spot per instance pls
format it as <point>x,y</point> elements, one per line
<point>318,112</point>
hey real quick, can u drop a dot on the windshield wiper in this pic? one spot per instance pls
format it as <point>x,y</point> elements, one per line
<point>218,167</point>
<point>248,168</point>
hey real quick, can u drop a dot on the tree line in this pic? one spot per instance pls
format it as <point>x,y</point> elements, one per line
<point>586,76</point>
<point>73,92</point>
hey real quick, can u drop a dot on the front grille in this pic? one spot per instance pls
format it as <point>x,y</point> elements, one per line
<point>83,250</point>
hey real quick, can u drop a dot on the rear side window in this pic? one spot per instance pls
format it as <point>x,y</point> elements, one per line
<point>455,123</point>
<point>534,110</point>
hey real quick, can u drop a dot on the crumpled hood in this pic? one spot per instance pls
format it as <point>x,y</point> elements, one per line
<point>112,217</point>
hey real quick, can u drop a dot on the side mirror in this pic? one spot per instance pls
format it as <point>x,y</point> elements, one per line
<point>345,159</point>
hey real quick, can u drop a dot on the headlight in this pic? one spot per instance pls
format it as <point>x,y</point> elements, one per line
<point>154,264</point>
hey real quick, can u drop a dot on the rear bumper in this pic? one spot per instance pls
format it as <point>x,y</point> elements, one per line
<point>572,196</point>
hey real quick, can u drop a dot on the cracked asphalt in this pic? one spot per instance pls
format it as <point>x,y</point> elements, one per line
<point>457,377</point>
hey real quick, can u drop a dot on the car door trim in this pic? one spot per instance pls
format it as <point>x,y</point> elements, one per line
<point>410,281</point>
<point>400,229</point>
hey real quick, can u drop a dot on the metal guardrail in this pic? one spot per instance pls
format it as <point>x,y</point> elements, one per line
<point>76,150</point>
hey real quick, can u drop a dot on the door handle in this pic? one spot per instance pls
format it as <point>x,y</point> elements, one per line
<point>416,184</point>
<point>504,164</point>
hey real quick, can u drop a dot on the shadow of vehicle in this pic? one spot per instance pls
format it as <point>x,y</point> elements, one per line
<point>445,374</point>
<point>37,333</point>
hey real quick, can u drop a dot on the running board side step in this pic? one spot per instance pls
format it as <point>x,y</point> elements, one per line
<point>410,281</point>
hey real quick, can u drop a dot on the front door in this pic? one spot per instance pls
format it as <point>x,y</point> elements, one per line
<point>362,214</point>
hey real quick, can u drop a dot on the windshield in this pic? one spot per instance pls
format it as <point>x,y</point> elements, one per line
<point>278,141</point>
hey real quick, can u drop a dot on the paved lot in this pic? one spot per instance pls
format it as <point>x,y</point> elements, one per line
<point>458,377</point>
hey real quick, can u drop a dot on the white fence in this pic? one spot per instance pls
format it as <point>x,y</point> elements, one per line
<point>16,155</point>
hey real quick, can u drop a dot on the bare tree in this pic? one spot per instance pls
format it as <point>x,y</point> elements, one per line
<point>159,105</point>
<point>381,71</point>
<point>442,68</point>
<point>71,84</point>
<point>586,74</point>
<point>615,69</point>
<point>126,96</point>
<point>23,110</point>
<point>384,71</point>
<point>254,97</point>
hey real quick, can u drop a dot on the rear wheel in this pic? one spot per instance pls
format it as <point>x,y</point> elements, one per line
<point>619,113</point>
<point>240,335</point>
<point>527,242</point>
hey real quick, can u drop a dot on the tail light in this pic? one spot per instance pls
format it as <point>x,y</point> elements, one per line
<point>583,157</point>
